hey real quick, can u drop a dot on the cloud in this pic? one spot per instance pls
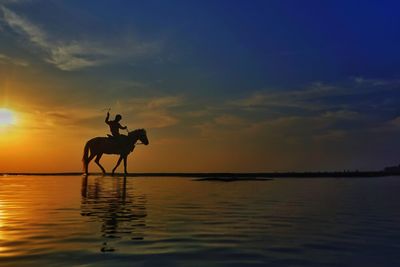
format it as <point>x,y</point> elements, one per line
<point>229,120</point>
<point>374,82</point>
<point>331,136</point>
<point>13,1</point>
<point>320,112</point>
<point>289,129</point>
<point>64,56</point>
<point>359,95</point>
<point>34,33</point>
<point>395,122</point>
<point>255,100</point>
<point>14,61</point>
<point>150,112</point>
<point>392,125</point>
<point>340,115</point>
<point>155,112</point>
<point>286,98</point>
<point>164,102</point>
<point>74,54</point>
<point>50,120</point>
<point>82,119</point>
<point>155,119</point>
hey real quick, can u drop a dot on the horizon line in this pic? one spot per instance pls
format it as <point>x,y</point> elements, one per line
<point>277,174</point>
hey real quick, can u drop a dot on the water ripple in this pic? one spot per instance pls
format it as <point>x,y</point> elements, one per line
<point>104,221</point>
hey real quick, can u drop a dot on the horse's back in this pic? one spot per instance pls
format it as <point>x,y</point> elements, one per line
<point>97,139</point>
<point>107,145</point>
<point>96,142</point>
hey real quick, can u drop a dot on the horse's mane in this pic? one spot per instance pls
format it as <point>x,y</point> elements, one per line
<point>136,131</point>
<point>131,144</point>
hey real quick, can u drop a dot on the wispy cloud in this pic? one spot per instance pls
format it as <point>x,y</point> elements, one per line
<point>287,98</point>
<point>319,97</point>
<point>164,102</point>
<point>14,61</point>
<point>319,112</point>
<point>73,54</point>
<point>12,1</point>
<point>229,120</point>
<point>153,112</point>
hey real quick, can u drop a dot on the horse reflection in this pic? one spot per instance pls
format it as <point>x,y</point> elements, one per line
<point>121,215</point>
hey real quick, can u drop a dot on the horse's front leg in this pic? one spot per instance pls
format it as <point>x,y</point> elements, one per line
<point>125,162</point>
<point>97,160</point>
<point>118,162</point>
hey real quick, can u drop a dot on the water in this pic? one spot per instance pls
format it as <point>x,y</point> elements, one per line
<point>104,221</point>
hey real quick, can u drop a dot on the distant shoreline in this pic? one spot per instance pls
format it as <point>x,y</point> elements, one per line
<point>350,174</point>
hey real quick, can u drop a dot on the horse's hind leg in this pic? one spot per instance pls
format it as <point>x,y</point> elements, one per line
<point>97,160</point>
<point>87,163</point>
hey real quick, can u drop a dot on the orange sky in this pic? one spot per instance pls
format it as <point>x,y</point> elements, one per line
<point>56,116</point>
<point>54,119</point>
<point>48,136</point>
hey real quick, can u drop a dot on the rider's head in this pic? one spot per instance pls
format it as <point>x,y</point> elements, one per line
<point>118,117</point>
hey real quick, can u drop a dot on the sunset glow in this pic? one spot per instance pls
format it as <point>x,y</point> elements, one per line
<point>7,117</point>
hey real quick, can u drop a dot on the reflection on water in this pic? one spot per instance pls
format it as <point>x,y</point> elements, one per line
<point>121,214</point>
<point>112,221</point>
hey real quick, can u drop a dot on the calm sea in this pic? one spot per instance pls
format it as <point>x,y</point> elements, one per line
<point>105,221</point>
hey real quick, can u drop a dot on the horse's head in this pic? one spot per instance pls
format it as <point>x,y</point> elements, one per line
<point>141,135</point>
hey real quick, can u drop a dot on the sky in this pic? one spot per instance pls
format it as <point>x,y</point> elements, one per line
<point>229,86</point>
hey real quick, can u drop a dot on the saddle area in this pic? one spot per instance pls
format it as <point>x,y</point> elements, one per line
<point>117,139</point>
<point>120,142</point>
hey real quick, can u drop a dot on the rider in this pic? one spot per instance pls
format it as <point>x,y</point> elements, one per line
<point>115,125</point>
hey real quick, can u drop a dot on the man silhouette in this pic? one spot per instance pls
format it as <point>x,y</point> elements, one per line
<point>115,125</point>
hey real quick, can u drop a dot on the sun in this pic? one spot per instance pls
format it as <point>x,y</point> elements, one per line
<point>6,117</point>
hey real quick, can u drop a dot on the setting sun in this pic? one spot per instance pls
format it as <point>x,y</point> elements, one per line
<point>6,117</point>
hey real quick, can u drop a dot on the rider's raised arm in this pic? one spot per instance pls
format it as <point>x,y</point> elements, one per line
<point>108,116</point>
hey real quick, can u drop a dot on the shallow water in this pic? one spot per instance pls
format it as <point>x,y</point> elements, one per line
<point>105,221</point>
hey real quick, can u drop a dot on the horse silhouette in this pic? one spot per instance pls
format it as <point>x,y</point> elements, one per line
<point>122,145</point>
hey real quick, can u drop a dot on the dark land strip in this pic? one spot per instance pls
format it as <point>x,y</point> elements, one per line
<point>335,174</point>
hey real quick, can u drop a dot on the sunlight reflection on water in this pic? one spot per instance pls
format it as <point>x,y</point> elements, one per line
<point>102,221</point>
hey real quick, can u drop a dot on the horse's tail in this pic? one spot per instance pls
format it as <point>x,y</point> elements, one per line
<point>85,157</point>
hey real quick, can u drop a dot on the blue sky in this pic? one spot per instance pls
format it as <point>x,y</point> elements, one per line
<point>267,85</point>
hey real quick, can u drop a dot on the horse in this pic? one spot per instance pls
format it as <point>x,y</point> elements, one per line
<point>122,145</point>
